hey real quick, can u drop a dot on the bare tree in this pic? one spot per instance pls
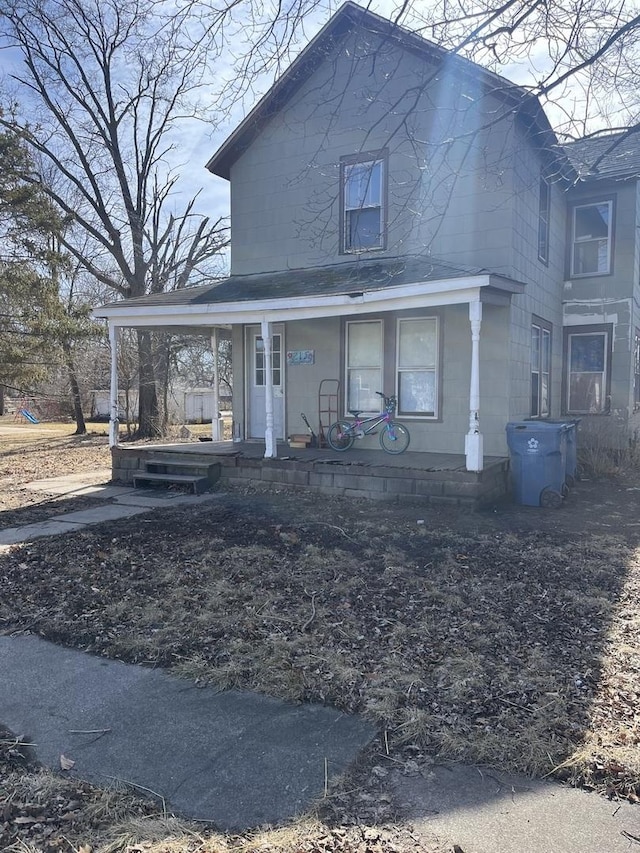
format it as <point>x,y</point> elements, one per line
<point>580,57</point>
<point>105,86</point>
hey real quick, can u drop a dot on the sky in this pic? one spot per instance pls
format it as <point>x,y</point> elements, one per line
<point>197,140</point>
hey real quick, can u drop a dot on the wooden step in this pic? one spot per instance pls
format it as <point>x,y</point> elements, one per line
<point>196,481</point>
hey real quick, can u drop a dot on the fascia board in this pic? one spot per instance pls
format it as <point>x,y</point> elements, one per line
<point>444,292</point>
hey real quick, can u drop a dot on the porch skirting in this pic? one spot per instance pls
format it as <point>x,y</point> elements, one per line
<point>413,478</point>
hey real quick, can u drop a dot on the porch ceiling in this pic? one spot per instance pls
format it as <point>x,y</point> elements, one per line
<point>368,287</point>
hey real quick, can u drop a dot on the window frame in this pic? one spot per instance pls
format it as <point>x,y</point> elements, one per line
<point>636,369</point>
<point>422,415</point>
<point>546,329</point>
<point>544,219</point>
<point>569,332</point>
<point>573,242</point>
<point>347,368</point>
<point>372,157</point>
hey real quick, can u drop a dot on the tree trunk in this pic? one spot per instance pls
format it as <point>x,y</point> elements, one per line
<point>163,357</point>
<point>81,427</point>
<point>148,414</point>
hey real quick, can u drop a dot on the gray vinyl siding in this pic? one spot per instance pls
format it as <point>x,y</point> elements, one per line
<point>543,295</point>
<point>452,199</point>
<point>445,435</point>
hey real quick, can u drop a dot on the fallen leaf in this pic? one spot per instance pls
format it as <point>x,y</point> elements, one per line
<point>66,763</point>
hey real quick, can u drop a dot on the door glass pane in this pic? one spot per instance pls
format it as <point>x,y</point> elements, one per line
<point>258,360</point>
<point>276,361</point>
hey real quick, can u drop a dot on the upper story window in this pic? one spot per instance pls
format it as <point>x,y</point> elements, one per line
<point>363,203</point>
<point>592,236</point>
<point>544,220</point>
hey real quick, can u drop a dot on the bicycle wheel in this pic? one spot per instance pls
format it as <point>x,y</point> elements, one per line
<point>340,435</point>
<point>394,438</point>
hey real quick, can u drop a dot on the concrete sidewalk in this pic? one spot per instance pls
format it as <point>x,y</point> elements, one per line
<point>486,811</point>
<point>112,502</point>
<point>241,760</point>
<point>235,758</point>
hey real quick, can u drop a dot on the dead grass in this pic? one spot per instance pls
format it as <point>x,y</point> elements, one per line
<point>489,648</point>
<point>466,640</point>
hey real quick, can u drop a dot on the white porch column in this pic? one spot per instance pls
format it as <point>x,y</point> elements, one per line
<point>270,450</point>
<point>473,440</point>
<point>216,430</point>
<point>114,421</point>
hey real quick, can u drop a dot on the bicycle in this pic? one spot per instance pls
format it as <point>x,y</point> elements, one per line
<point>394,437</point>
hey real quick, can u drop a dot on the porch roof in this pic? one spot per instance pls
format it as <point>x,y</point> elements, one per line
<point>366,286</point>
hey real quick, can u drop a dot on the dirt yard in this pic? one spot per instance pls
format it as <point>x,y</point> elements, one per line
<point>509,638</point>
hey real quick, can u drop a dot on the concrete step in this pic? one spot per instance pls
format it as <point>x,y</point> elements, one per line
<point>196,481</point>
<point>208,468</point>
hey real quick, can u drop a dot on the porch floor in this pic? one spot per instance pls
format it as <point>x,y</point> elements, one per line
<point>411,476</point>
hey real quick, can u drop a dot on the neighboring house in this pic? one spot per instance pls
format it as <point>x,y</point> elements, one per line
<point>405,221</point>
<point>601,291</point>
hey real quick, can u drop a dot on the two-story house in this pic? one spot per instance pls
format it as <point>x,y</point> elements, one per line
<point>405,221</point>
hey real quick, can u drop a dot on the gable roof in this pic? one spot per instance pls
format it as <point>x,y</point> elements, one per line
<point>349,17</point>
<point>615,156</point>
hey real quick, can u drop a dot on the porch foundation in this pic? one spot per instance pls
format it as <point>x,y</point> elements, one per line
<point>419,478</point>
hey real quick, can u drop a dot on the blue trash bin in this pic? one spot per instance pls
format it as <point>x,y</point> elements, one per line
<point>538,452</point>
<point>570,437</point>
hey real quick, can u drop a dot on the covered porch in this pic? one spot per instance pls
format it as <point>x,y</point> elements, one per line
<point>410,477</point>
<point>272,303</point>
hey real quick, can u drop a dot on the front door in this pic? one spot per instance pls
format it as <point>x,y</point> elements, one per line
<point>256,382</point>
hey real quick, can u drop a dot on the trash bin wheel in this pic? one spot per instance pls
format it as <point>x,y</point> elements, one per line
<point>571,481</point>
<point>550,499</point>
<point>565,490</point>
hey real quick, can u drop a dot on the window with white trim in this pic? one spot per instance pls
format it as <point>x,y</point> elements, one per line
<point>417,366</point>
<point>588,354</point>
<point>364,361</point>
<point>363,188</point>
<point>592,238</point>
<point>540,369</point>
